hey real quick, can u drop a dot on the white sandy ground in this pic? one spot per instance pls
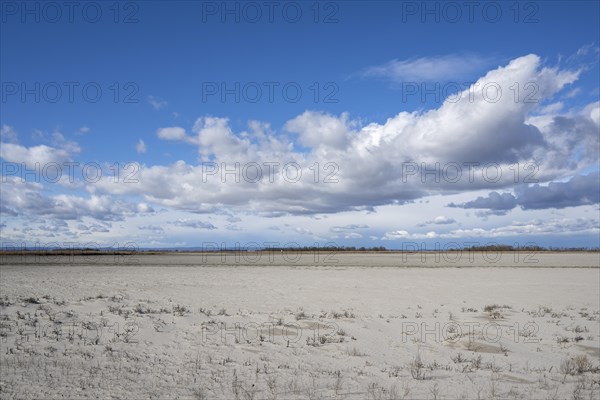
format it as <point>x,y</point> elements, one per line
<point>366,326</point>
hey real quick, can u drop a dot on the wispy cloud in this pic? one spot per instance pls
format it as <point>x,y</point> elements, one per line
<point>564,226</point>
<point>152,228</point>
<point>8,134</point>
<point>440,220</point>
<point>140,147</point>
<point>157,103</point>
<point>190,223</point>
<point>427,69</point>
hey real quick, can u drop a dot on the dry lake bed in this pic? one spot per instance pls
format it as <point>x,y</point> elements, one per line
<point>301,326</point>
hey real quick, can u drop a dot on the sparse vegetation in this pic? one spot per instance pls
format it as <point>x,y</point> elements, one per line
<point>329,353</point>
<point>5,302</point>
<point>180,310</point>
<point>354,352</point>
<point>417,368</point>
<point>301,315</point>
<point>32,300</point>
<point>575,365</point>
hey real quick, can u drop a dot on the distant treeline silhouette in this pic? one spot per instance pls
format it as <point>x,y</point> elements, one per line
<point>326,248</point>
<point>504,247</point>
<point>108,251</point>
<point>491,247</point>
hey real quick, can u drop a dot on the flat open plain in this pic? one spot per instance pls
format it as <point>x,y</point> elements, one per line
<point>301,326</point>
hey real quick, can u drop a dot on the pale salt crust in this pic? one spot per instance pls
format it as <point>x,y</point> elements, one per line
<point>340,326</point>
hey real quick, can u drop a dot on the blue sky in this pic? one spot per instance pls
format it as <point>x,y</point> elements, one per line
<point>374,79</point>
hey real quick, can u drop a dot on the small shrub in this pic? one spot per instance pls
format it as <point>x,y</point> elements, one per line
<point>32,300</point>
<point>142,309</point>
<point>205,311</point>
<point>476,362</point>
<point>354,352</point>
<point>490,307</point>
<point>4,302</point>
<point>459,359</point>
<point>567,367</point>
<point>180,310</point>
<point>582,363</point>
<point>115,309</point>
<point>417,368</point>
<point>575,365</point>
<point>301,315</point>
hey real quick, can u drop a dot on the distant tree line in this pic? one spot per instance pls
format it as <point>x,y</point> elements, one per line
<point>326,248</point>
<point>108,251</point>
<point>504,247</point>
